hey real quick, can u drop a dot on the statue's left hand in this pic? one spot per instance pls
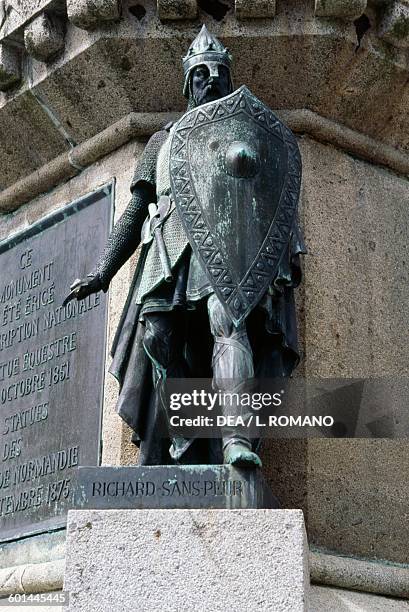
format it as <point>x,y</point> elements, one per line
<point>83,287</point>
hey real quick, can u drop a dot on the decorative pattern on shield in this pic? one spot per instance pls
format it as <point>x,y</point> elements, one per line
<point>235,173</point>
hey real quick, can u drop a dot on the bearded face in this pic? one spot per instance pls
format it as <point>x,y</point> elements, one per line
<point>210,82</point>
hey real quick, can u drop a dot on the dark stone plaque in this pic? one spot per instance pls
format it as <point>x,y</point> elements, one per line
<point>174,487</point>
<point>51,364</point>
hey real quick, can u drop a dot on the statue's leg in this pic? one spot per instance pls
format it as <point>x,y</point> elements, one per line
<point>164,341</point>
<point>233,372</point>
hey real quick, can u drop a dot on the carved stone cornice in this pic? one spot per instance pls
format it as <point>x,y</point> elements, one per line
<point>142,125</point>
<point>348,71</point>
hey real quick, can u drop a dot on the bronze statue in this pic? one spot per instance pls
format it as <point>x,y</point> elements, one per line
<point>214,199</point>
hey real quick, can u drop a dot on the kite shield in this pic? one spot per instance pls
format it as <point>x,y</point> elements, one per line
<point>235,173</point>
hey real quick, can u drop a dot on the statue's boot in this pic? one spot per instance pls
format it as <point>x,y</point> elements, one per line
<point>239,454</point>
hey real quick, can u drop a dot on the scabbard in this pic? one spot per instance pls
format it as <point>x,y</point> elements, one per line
<point>163,254</point>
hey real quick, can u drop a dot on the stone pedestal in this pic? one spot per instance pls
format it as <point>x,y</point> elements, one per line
<point>199,560</point>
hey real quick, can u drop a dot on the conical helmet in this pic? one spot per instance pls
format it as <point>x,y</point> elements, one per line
<point>205,49</point>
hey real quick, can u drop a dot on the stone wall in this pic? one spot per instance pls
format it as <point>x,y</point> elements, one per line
<point>354,309</point>
<point>356,313</point>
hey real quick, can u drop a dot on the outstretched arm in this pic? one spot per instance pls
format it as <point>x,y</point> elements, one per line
<point>121,244</point>
<point>125,236</point>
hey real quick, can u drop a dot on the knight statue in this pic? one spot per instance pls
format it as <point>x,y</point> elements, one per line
<point>214,204</point>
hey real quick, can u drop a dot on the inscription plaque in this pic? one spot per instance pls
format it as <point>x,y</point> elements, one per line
<point>172,487</point>
<point>51,364</point>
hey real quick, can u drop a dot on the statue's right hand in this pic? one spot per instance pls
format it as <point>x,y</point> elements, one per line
<point>83,287</point>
